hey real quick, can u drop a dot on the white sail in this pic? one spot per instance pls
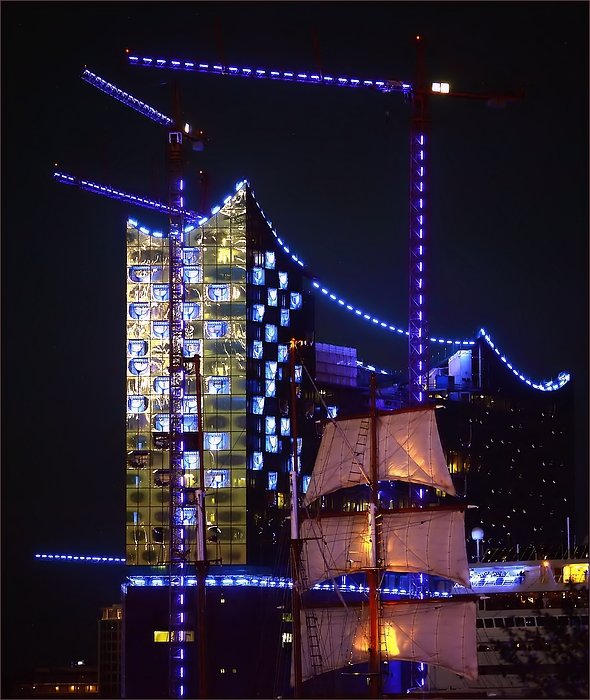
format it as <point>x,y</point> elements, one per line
<point>441,633</point>
<point>426,540</point>
<point>408,449</point>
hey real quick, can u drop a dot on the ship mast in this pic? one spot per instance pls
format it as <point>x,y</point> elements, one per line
<point>373,573</point>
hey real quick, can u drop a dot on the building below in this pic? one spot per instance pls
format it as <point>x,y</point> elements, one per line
<point>110,629</point>
<point>74,681</point>
<point>532,631</point>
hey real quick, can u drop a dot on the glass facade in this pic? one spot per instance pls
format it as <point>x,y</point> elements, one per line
<point>238,315</point>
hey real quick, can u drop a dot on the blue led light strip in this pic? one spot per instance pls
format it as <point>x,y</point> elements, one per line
<point>76,557</point>
<point>121,196</point>
<point>547,385</point>
<point>126,98</point>
<point>260,73</point>
<point>249,580</point>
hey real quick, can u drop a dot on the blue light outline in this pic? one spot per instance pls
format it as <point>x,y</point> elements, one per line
<point>543,385</point>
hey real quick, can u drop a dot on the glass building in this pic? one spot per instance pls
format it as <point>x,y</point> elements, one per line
<point>245,298</point>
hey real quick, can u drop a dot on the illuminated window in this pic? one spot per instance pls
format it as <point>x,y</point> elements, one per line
<point>190,348</point>
<point>283,353</point>
<point>216,329</point>
<point>183,636</point>
<point>575,573</point>
<point>272,481</point>
<point>270,425</point>
<point>285,426</point>
<point>139,366</point>
<point>140,273</point>
<point>190,256</point>
<point>161,422</point>
<point>298,373</point>
<point>295,300</point>
<point>216,441</point>
<point>190,404</point>
<point>137,348</point>
<point>224,256</point>
<point>332,411</point>
<point>136,404</point>
<point>161,292</point>
<point>160,329</point>
<point>270,370</point>
<point>139,310</point>
<point>269,260</point>
<point>272,444</point>
<point>217,385</point>
<point>270,333</point>
<point>257,275</point>
<point>283,280</point>
<point>257,312</point>
<point>272,297</point>
<point>305,483</point>
<point>189,424</point>
<point>257,349</point>
<point>217,479</point>
<point>191,311</point>
<point>258,405</point>
<point>190,460</point>
<point>218,292</point>
<point>161,385</point>
<point>285,317</point>
<point>193,274</point>
<point>257,461</point>
<point>270,387</point>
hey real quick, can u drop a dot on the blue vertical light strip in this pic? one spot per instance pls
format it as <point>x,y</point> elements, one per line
<point>418,318</point>
<point>179,547</point>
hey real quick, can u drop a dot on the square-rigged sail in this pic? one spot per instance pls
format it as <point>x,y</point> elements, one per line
<point>439,632</point>
<point>408,448</point>
<point>431,541</point>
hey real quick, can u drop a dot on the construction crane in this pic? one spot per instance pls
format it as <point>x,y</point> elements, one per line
<point>418,95</point>
<point>180,556</point>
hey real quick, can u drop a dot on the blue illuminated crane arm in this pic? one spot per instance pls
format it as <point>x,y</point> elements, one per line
<point>126,98</point>
<point>286,76</point>
<point>113,193</point>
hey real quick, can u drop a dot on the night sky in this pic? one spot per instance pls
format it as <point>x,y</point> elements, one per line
<point>330,168</point>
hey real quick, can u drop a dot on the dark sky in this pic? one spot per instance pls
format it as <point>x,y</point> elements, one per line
<point>330,169</point>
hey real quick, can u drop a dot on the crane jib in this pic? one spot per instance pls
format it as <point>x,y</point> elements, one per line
<point>288,76</point>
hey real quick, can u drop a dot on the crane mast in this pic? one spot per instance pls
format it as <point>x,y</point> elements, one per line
<point>418,331</point>
<point>182,533</point>
<point>178,541</point>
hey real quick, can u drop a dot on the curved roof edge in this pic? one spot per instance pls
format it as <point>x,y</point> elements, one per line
<point>542,385</point>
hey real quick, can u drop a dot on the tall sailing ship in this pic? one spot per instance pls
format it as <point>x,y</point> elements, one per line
<point>379,450</point>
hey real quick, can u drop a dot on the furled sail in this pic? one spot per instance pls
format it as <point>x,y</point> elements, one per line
<point>427,540</point>
<point>437,632</point>
<point>408,449</point>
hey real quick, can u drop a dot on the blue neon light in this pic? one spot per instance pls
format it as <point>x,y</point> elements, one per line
<point>121,196</point>
<point>77,557</point>
<point>289,76</point>
<point>546,385</point>
<point>126,98</point>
